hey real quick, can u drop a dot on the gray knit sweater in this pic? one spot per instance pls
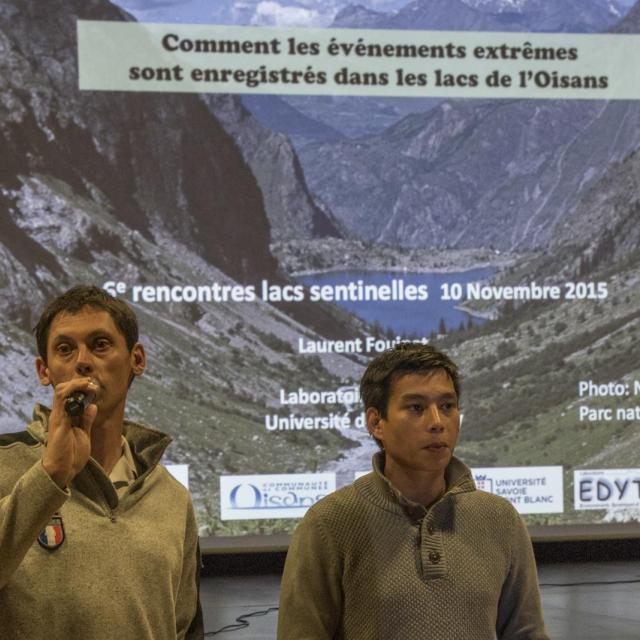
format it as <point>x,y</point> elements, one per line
<point>365,563</point>
<point>127,567</point>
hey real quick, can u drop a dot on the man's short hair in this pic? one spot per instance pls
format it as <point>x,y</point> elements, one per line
<point>75,299</point>
<point>403,359</point>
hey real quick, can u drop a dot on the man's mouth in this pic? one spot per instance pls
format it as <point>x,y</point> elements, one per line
<point>435,446</point>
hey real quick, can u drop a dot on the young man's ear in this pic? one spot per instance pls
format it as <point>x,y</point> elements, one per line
<point>43,372</point>
<point>373,422</point>
<point>138,359</point>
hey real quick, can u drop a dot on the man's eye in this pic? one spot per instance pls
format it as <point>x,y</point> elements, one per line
<point>101,344</point>
<point>415,408</point>
<point>63,349</point>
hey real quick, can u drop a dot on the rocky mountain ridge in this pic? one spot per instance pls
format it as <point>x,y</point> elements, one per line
<point>288,204</point>
<point>470,174</point>
<point>493,15</point>
<point>465,174</point>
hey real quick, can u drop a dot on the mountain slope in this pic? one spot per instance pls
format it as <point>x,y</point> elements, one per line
<point>150,190</point>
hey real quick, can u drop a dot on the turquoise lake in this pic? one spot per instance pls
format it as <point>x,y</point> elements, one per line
<point>406,318</point>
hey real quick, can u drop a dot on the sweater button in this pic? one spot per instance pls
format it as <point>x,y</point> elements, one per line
<point>434,556</point>
<point>430,529</point>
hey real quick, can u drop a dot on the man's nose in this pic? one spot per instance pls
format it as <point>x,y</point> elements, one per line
<point>434,419</point>
<point>83,362</point>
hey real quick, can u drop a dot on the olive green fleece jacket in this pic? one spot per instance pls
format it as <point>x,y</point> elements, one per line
<point>127,569</point>
<point>366,563</point>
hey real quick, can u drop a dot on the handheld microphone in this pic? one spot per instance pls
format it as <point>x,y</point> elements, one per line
<point>76,403</point>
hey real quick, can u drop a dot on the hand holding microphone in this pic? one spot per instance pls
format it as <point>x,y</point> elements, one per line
<point>69,429</point>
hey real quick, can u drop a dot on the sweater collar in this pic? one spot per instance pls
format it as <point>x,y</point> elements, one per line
<point>380,489</point>
<point>147,445</point>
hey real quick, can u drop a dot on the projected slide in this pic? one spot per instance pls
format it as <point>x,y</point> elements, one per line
<point>282,190</point>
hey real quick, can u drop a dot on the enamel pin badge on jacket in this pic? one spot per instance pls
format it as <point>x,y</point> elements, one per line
<point>52,536</point>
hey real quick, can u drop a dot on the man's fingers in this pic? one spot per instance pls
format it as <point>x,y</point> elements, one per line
<point>63,391</point>
<point>90,413</point>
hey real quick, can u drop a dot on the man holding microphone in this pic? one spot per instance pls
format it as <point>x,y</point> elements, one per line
<point>97,540</point>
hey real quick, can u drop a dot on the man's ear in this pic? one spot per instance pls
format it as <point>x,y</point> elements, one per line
<point>373,423</point>
<point>43,372</point>
<point>138,359</point>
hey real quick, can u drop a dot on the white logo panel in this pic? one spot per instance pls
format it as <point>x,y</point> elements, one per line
<point>606,488</point>
<point>529,489</point>
<point>261,497</point>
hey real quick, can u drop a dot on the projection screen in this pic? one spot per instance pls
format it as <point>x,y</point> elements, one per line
<point>282,190</point>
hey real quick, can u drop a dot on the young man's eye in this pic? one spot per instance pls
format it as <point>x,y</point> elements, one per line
<point>415,408</point>
<point>101,344</point>
<point>63,349</point>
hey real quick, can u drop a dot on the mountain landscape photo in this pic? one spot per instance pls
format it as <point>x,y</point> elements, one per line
<point>200,192</point>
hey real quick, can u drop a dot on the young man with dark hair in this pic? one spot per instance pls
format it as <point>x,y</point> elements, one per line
<point>97,540</point>
<point>411,550</point>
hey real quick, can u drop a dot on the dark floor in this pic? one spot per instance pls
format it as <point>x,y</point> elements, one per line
<point>579,602</point>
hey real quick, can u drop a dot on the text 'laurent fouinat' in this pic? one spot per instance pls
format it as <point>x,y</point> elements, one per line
<point>368,344</point>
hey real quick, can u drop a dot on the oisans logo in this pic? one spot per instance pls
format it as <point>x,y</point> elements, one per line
<point>249,496</point>
<point>286,495</point>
